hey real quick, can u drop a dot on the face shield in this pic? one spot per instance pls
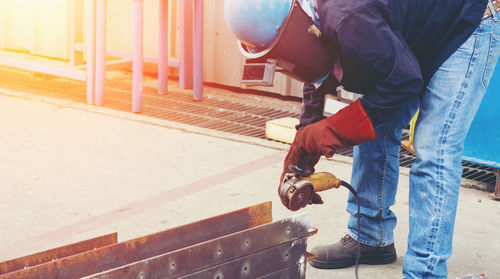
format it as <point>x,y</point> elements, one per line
<point>297,48</point>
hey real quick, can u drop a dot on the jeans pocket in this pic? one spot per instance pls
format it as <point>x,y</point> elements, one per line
<point>493,51</point>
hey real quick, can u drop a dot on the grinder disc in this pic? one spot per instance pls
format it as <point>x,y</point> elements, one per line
<point>300,195</point>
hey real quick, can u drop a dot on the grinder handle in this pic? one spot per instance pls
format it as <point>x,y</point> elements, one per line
<point>323,181</point>
<point>300,168</point>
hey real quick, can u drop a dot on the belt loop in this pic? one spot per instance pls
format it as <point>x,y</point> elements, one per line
<point>492,9</point>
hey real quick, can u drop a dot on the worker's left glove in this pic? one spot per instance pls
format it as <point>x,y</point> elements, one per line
<point>292,157</point>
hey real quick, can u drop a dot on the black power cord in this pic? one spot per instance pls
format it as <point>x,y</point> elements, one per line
<point>358,254</point>
<point>300,169</point>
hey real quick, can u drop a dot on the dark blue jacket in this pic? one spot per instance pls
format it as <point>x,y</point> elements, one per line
<point>389,49</point>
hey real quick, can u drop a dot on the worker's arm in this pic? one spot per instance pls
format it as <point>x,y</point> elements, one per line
<point>366,38</point>
<point>314,99</point>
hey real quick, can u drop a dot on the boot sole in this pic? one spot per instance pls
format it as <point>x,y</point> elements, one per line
<point>371,260</point>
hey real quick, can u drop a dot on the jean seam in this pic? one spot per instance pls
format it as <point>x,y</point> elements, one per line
<point>439,184</point>
<point>489,58</point>
<point>440,159</point>
<point>381,188</point>
<point>381,195</point>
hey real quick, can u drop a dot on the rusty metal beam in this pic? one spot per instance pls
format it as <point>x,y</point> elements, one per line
<point>220,251</point>
<point>57,253</point>
<point>123,253</point>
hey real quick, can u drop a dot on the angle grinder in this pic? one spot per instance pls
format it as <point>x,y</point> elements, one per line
<point>298,186</point>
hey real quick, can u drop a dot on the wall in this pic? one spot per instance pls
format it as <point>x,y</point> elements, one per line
<point>41,27</point>
<point>38,27</point>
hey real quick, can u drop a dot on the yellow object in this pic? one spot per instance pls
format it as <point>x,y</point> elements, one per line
<point>281,129</point>
<point>408,144</point>
<point>412,126</point>
<point>323,181</point>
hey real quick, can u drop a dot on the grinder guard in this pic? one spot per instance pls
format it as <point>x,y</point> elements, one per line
<point>299,50</point>
<point>294,192</point>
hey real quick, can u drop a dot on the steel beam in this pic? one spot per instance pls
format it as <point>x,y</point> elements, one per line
<point>261,264</point>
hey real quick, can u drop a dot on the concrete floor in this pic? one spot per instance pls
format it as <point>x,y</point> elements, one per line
<point>70,172</point>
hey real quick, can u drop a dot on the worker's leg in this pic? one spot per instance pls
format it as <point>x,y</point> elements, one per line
<point>448,107</point>
<point>375,174</point>
<point>375,177</point>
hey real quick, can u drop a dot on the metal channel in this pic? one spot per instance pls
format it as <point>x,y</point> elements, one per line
<point>123,253</point>
<point>262,264</point>
<point>219,252</point>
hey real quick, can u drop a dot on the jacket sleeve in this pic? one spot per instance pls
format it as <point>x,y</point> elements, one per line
<point>313,101</point>
<point>367,39</point>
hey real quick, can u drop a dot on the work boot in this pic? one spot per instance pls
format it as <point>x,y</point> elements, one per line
<point>343,254</point>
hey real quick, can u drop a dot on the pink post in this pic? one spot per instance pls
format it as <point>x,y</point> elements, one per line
<point>138,57</point>
<point>100,74</point>
<point>163,48</point>
<point>198,50</point>
<point>90,51</point>
<point>186,44</point>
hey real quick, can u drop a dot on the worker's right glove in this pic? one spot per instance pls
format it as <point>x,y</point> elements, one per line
<point>348,127</point>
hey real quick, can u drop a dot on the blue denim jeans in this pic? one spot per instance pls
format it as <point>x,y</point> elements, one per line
<point>447,109</point>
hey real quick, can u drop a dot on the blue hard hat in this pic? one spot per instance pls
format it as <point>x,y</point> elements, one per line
<point>256,23</point>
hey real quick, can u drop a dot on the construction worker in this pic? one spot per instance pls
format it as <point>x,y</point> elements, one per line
<point>401,55</point>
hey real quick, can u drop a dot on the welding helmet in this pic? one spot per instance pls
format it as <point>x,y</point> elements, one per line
<point>281,34</point>
<point>256,23</point>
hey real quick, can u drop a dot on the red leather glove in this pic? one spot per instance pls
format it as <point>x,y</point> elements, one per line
<point>292,157</point>
<point>348,127</point>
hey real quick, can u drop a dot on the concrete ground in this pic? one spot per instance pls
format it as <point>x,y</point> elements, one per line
<point>70,172</point>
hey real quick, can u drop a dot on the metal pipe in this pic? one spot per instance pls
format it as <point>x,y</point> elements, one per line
<point>198,51</point>
<point>91,55</point>
<point>163,48</point>
<point>186,44</point>
<point>138,56</point>
<point>100,74</point>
